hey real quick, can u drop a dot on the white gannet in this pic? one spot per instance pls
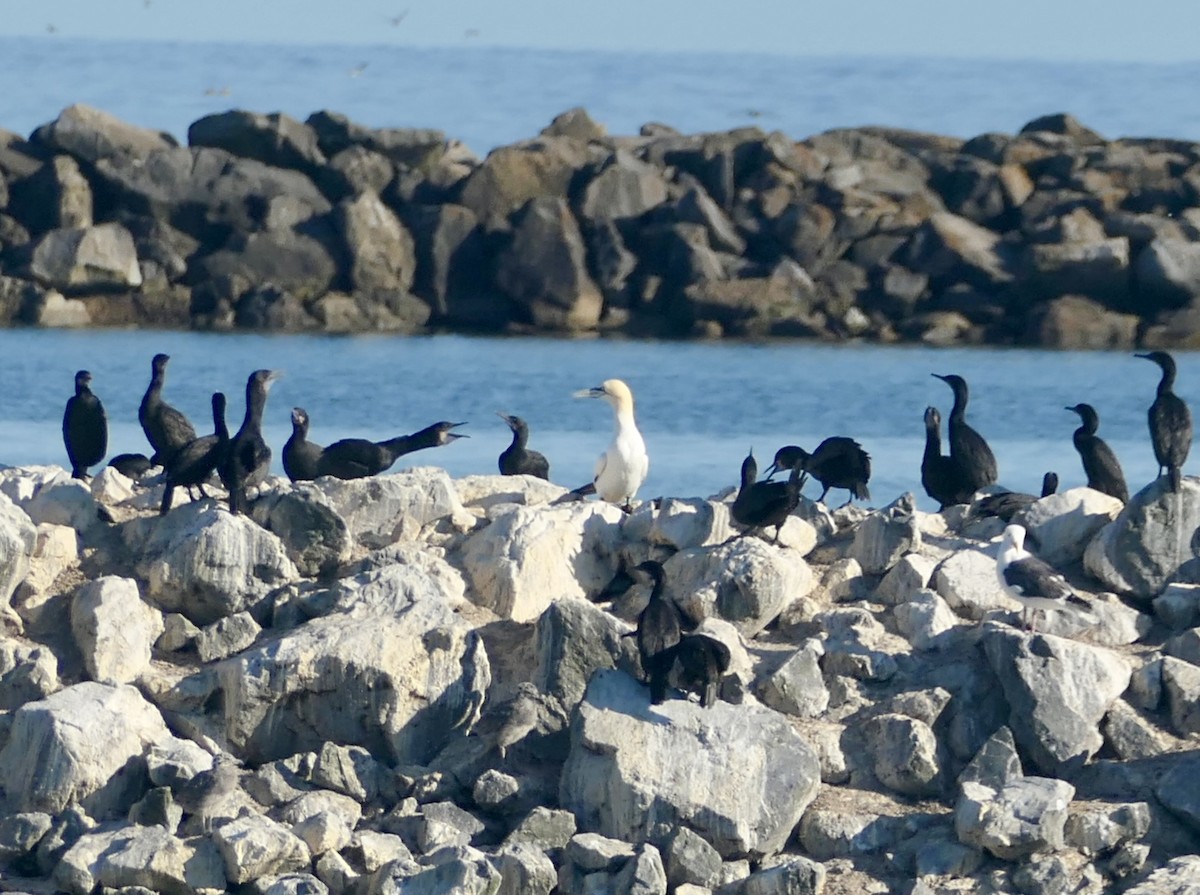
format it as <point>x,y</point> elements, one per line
<point>622,468</point>
<point>1031,581</point>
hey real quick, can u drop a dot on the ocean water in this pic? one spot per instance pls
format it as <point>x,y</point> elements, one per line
<point>700,406</point>
<point>488,97</point>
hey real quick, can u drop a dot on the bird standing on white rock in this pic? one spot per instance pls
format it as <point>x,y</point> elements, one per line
<point>1031,581</point>
<point>622,468</point>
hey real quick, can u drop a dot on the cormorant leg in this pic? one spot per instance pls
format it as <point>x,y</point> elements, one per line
<point>821,499</point>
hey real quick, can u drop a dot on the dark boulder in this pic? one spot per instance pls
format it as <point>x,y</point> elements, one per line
<point>379,250</point>
<point>91,134</point>
<point>293,262</point>
<point>452,268</point>
<point>276,139</point>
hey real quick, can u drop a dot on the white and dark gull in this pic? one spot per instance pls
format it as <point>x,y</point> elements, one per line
<point>622,467</point>
<point>1031,581</point>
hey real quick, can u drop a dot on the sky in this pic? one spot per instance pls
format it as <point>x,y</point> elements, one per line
<point>1106,30</point>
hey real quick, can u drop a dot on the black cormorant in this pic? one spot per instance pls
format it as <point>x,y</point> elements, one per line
<point>1007,504</point>
<point>517,459</point>
<point>85,427</point>
<point>357,458</point>
<point>1032,581</point>
<point>759,504</point>
<point>698,662</point>
<point>301,457</point>
<point>658,624</point>
<point>943,477</point>
<point>248,458</point>
<point>132,466</point>
<point>166,428</point>
<point>1100,464</point>
<point>1170,421</point>
<point>838,462</point>
<point>966,445</point>
<point>196,461</point>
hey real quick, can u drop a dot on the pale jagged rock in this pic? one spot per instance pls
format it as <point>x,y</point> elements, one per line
<point>825,739</point>
<point>1177,790</point>
<point>316,538</point>
<point>18,540</point>
<point>1145,685</point>
<point>857,646</point>
<point>173,761</point>
<point>384,509</point>
<point>83,738</point>
<point>76,870</point>
<point>944,858</point>
<point>546,829</point>
<point>1026,816</point>
<point>1181,684</point>
<point>398,575</point>
<point>1096,828</point>
<point>63,501</point>
<point>394,677</point>
<point>886,535</point>
<point>93,258</point>
<point>643,874</point>
<point>110,488</point>
<point>1063,524</point>
<point>690,859</point>
<point>1185,646</point>
<point>151,858</point>
<point>1179,606</point>
<point>924,619</point>
<point>254,845</point>
<point>178,633</point>
<point>573,640</point>
<point>682,768</point>
<point>747,582</point>
<point>463,871</point>
<point>1140,552</point>
<point>1179,876</point>
<point>593,852</point>
<point>204,562</point>
<point>57,550</point>
<point>529,557</point>
<point>524,870</point>
<point>379,849</point>
<point>909,576</point>
<point>996,764</point>
<point>335,872</point>
<point>66,829</point>
<point>226,636</point>
<point>114,629</point>
<point>797,687</point>
<point>1130,735</point>
<point>27,673</point>
<point>324,820</point>
<point>905,754</point>
<point>1057,691</point>
<point>494,790</point>
<point>92,134</point>
<point>350,770</point>
<point>967,581</point>
<point>486,492</point>
<point>291,884</point>
<point>791,876</point>
<point>20,834</point>
<point>844,581</point>
<point>828,833</point>
<point>444,823</point>
<point>691,522</point>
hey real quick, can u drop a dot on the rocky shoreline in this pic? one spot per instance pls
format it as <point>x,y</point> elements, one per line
<point>1054,236</point>
<point>415,684</point>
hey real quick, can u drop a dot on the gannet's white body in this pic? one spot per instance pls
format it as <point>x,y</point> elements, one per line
<point>622,468</point>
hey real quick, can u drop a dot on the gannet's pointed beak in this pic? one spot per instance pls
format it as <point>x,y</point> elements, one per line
<point>596,392</point>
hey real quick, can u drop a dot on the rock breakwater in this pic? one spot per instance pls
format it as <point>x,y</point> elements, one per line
<point>1052,236</point>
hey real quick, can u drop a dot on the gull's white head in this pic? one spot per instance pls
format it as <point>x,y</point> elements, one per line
<point>1014,538</point>
<point>614,391</point>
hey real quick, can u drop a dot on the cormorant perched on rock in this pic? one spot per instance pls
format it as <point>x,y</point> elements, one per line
<point>759,504</point>
<point>966,445</point>
<point>166,428</point>
<point>85,427</point>
<point>943,477</point>
<point>658,624</point>
<point>1100,464</point>
<point>357,458</point>
<point>517,459</point>
<point>1007,504</point>
<point>838,462</point>
<point>132,466</point>
<point>248,458</point>
<point>1170,421</point>
<point>698,663</point>
<point>1031,581</point>
<point>622,467</point>
<point>301,456</point>
<point>196,461</point>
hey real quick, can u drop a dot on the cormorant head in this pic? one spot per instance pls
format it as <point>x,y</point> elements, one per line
<point>300,419</point>
<point>158,365</point>
<point>933,419</point>
<point>1087,414</point>
<point>650,567</point>
<point>263,379</point>
<point>957,383</point>
<point>218,405</point>
<point>513,422</point>
<point>749,469</point>
<point>1049,483</point>
<point>82,380</point>
<point>787,457</point>
<point>443,433</point>
<point>1164,360</point>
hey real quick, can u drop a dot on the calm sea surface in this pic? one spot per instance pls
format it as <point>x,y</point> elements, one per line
<point>701,406</point>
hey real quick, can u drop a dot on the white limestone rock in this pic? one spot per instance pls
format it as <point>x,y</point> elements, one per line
<point>151,858</point>
<point>967,581</point>
<point>114,629</point>
<point>531,556</point>
<point>324,820</point>
<point>484,492</point>
<point>910,574</point>
<point>1063,524</point>
<point>691,522</point>
<point>740,776</point>
<point>384,509</point>
<point>924,619</point>
<point>83,744</point>
<point>886,535</point>
<point>18,540</point>
<point>1025,816</point>
<point>254,846</point>
<point>56,551</point>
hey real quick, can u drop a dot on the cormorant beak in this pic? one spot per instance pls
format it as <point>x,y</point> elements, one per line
<point>771,470</point>
<point>450,436</point>
<point>938,376</point>
<point>1144,356</point>
<point>596,392</point>
<point>508,420</point>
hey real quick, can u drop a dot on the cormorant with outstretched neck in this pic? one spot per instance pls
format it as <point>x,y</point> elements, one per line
<point>357,458</point>
<point>838,462</point>
<point>966,445</point>
<point>166,428</point>
<point>658,624</point>
<point>248,458</point>
<point>1007,504</point>
<point>196,461</point>
<point>85,427</point>
<point>517,458</point>
<point>1100,464</point>
<point>1170,421</point>
<point>942,476</point>
<point>759,504</point>
<point>301,457</point>
<point>623,466</point>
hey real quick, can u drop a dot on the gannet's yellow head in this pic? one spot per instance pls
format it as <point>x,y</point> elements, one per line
<point>614,391</point>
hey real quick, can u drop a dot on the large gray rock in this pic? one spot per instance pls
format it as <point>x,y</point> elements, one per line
<point>380,251</point>
<point>747,582</point>
<point>83,259</point>
<point>797,687</point>
<point>114,629</point>
<point>27,673</point>
<point>83,744</point>
<point>790,876</point>
<point>395,670</point>
<point>691,522</point>
<point>575,639</point>
<point>151,858</point>
<point>384,509</point>
<point>531,556</point>
<point>624,188</point>
<point>1063,524</point>
<point>452,268</point>
<point>1176,789</point>
<point>92,134</point>
<point>951,248</point>
<point>634,766</point>
<point>1139,552</point>
<point>204,562</point>
<point>316,538</point>
<point>18,539</point>
<point>885,536</point>
<point>905,754</point>
<point>967,581</point>
<point>1027,815</point>
<point>274,139</point>
<point>512,175</point>
<point>1166,274</point>
<point>1179,876</point>
<point>294,264</point>
<point>1057,691</point>
<point>1181,686</point>
<point>255,846</point>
